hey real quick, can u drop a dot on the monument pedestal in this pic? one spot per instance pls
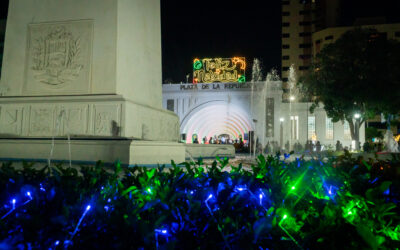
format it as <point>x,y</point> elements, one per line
<point>84,116</point>
<point>86,69</point>
<point>87,151</point>
<point>101,127</point>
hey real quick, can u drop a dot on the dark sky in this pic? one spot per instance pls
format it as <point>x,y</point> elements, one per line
<point>207,28</point>
<point>226,28</point>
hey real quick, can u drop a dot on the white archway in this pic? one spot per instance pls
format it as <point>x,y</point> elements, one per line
<point>216,118</point>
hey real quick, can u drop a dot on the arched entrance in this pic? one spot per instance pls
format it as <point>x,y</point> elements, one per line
<point>216,118</point>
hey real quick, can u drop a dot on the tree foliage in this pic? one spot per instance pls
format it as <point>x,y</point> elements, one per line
<point>359,73</point>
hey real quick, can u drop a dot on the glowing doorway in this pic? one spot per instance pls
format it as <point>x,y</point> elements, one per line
<point>214,119</point>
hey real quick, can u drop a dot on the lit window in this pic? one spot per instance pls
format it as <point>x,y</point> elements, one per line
<point>311,128</point>
<point>294,127</point>
<point>329,129</point>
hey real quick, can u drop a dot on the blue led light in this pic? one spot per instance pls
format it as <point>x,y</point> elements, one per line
<point>88,207</point>
<point>386,192</point>
<point>240,188</point>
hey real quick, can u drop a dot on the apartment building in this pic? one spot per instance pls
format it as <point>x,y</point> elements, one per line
<point>297,29</point>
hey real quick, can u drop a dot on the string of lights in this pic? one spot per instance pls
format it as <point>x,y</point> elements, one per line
<point>274,194</point>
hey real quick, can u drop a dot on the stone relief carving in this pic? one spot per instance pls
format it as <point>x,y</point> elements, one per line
<point>59,57</point>
<point>41,121</point>
<point>76,121</point>
<point>56,56</point>
<point>10,121</point>
<point>107,119</point>
<point>103,123</point>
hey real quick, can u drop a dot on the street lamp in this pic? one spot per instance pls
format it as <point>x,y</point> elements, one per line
<point>291,99</point>
<point>281,132</point>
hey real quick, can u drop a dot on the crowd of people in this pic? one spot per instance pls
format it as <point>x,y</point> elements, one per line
<point>272,147</point>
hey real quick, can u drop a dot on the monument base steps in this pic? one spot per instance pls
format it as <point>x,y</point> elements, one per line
<point>87,151</point>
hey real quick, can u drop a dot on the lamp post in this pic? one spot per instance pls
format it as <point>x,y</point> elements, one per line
<point>357,116</point>
<point>281,132</point>
<point>291,99</point>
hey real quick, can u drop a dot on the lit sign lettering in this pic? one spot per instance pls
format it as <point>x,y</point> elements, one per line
<point>212,70</point>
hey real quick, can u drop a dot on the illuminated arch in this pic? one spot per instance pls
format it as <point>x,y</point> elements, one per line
<point>216,118</point>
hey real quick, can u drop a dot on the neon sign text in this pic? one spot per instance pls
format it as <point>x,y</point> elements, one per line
<point>212,70</point>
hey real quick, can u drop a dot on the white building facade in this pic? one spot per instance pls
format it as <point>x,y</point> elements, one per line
<point>235,109</point>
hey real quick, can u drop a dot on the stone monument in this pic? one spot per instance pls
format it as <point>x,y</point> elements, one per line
<point>89,70</point>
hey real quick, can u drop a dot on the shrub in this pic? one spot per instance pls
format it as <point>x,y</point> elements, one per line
<point>341,203</point>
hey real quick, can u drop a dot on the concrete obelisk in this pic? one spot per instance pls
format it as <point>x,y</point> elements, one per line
<point>91,70</point>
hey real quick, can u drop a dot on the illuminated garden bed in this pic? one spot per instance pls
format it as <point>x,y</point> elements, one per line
<point>277,205</point>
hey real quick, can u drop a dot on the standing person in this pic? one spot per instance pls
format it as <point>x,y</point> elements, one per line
<point>307,146</point>
<point>338,145</point>
<point>318,146</point>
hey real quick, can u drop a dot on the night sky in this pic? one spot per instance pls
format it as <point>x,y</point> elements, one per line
<point>225,28</point>
<point>218,29</point>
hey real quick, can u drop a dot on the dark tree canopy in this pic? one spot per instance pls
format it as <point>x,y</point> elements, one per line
<point>359,73</point>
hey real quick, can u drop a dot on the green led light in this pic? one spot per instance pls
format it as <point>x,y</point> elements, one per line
<point>241,78</point>
<point>197,65</point>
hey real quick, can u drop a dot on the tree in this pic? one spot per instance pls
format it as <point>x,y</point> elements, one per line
<point>256,74</point>
<point>357,74</point>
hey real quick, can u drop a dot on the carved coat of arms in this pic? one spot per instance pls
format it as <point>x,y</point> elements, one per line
<point>56,56</point>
